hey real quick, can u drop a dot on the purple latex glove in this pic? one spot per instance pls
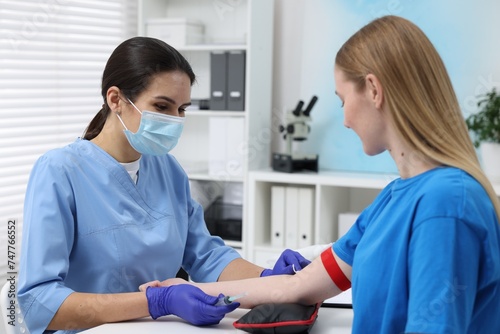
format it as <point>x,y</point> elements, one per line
<point>287,262</point>
<point>187,302</point>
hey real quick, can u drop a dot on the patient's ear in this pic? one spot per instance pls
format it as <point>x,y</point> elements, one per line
<point>375,90</point>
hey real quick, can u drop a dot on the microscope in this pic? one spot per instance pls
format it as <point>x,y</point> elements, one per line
<point>296,129</point>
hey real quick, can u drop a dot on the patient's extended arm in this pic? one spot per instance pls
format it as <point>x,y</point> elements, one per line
<point>311,285</point>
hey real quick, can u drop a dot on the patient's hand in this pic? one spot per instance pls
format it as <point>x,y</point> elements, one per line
<point>167,282</point>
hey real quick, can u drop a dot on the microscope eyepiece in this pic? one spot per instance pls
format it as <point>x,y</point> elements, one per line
<point>310,105</point>
<point>298,108</point>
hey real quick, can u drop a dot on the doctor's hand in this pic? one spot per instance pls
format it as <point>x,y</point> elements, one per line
<point>288,263</point>
<point>187,302</point>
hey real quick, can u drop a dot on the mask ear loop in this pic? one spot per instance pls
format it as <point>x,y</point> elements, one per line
<point>132,103</point>
<point>121,121</point>
<point>117,115</point>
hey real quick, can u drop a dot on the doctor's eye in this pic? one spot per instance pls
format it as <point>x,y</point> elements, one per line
<point>161,107</point>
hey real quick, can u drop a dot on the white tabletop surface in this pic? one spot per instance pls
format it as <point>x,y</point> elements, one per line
<point>330,320</point>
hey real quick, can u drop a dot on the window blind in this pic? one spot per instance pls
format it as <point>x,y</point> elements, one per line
<point>52,54</point>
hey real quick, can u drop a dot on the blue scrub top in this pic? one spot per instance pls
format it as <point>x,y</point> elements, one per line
<point>425,257</point>
<point>89,228</point>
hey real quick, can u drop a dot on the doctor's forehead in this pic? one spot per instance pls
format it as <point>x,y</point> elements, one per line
<point>174,85</point>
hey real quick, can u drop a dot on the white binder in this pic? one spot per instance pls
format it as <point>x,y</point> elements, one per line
<point>306,217</point>
<point>226,146</point>
<point>278,216</point>
<point>217,146</point>
<point>235,146</point>
<point>291,217</point>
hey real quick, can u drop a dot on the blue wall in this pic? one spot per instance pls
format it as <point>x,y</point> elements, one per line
<point>465,33</point>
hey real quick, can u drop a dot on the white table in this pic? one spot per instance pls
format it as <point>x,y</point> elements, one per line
<point>330,320</point>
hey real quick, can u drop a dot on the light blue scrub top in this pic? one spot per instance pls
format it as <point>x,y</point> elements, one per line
<point>89,228</point>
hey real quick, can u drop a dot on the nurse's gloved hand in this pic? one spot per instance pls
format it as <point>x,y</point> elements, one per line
<point>187,302</point>
<point>288,263</point>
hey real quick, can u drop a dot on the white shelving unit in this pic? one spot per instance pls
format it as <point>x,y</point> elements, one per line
<point>228,26</point>
<point>334,192</point>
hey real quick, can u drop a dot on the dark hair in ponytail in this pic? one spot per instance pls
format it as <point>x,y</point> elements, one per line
<point>130,67</point>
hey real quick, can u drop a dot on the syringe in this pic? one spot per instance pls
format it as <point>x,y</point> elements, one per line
<point>226,300</point>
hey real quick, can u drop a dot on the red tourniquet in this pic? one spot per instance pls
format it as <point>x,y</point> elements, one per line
<point>333,269</point>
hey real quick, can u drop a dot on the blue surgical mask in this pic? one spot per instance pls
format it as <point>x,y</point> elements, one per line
<point>157,133</point>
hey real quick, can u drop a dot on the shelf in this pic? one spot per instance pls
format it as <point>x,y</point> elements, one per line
<point>212,47</point>
<point>327,178</point>
<point>333,178</point>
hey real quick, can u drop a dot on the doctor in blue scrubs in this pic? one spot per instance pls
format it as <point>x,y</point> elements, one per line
<point>113,210</point>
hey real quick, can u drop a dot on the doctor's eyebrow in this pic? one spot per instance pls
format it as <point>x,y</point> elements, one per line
<point>171,100</point>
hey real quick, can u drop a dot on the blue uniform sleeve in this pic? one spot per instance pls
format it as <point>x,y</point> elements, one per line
<point>443,266</point>
<point>47,241</point>
<point>205,256</point>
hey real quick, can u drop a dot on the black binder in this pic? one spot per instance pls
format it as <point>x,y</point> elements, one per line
<point>218,80</point>
<point>236,81</point>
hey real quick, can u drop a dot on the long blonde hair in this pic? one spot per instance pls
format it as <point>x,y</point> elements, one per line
<point>418,92</point>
